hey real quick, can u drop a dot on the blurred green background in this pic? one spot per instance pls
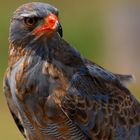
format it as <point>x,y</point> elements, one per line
<point>105,32</point>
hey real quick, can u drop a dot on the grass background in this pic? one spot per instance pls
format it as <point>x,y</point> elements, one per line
<point>83,28</point>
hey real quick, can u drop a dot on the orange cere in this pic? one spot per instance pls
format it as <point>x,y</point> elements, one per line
<point>50,24</point>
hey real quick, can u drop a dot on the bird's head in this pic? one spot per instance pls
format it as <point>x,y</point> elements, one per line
<point>32,21</point>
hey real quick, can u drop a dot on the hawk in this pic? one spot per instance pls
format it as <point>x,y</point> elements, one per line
<point>54,93</point>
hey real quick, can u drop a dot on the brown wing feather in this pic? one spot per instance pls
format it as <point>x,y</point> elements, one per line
<point>101,114</point>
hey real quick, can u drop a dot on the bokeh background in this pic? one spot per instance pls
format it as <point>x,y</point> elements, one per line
<point>107,32</point>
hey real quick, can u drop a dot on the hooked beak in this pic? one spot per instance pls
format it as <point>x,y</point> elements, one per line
<point>59,29</point>
<point>51,25</point>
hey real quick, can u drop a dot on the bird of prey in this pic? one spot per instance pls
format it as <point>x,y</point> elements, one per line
<point>54,93</point>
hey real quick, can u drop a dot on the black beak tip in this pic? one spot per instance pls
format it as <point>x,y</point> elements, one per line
<point>60,30</point>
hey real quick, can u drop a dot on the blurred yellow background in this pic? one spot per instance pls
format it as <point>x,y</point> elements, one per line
<point>106,32</point>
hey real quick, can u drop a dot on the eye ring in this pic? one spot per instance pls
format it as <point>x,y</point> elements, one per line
<point>30,21</point>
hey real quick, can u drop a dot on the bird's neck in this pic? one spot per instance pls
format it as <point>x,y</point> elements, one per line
<point>53,50</point>
<point>43,49</point>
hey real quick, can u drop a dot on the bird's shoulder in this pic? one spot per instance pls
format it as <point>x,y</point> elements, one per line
<point>66,54</point>
<point>69,56</point>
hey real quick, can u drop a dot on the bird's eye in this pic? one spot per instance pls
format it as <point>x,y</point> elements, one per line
<point>30,21</point>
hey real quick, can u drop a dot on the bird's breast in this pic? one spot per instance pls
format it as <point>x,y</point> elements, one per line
<point>41,77</point>
<point>39,87</point>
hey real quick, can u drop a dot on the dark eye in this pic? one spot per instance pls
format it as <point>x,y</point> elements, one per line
<point>30,21</point>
